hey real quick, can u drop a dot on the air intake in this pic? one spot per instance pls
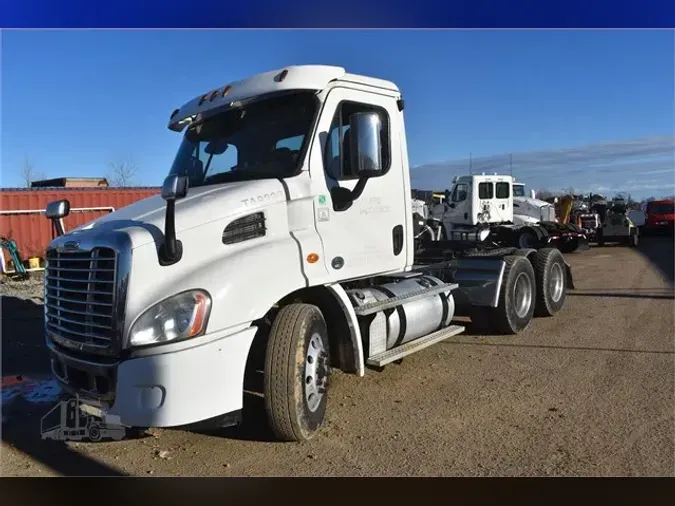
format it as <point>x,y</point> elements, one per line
<point>244,229</point>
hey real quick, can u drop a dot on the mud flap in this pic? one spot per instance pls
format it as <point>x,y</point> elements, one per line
<point>582,243</point>
<point>568,273</point>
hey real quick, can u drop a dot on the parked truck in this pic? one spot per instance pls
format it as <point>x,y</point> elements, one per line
<point>498,204</point>
<point>286,218</point>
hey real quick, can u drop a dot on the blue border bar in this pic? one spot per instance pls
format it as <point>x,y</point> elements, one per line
<point>338,14</point>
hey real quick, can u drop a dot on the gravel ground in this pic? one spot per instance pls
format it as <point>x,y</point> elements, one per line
<point>588,393</point>
<point>29,289</point>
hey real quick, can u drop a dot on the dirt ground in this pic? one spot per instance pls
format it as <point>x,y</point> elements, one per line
<point>587,393</point>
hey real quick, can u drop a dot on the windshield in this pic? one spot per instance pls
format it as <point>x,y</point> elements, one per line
<point>518,190</point>
<point>262,140</point>
<point>661,208</point>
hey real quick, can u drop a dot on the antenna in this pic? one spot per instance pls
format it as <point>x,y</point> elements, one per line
<point>470,164</point>
<point>511,164</point>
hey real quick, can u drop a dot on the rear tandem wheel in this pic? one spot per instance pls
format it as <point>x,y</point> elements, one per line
<point>515,308</point>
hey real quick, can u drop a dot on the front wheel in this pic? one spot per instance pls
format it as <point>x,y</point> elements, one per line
<point>549,271</point>
<point>297,368</point>
<point>516,299</point>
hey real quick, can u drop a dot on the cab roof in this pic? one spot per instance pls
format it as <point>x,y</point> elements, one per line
<point>293,78</point>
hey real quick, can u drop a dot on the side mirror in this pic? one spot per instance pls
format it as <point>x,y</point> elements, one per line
<point>533,195</point>
<point>58,209</point>
<point>175,187</point>
<point>366,145</point>
<point>555,200</point>
<point>55,212</point>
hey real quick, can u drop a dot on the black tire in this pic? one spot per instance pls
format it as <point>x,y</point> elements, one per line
<point>601,239</point>
<point>527,238</point>
<point>569,246</point>
<point>94,433</point>
<point>550,273</point>
<point>504,318</point>
<point>287,362</point>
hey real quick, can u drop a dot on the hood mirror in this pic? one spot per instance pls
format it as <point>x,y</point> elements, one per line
<point>55,212</point>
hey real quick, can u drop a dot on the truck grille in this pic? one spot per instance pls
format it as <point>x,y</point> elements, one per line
<point>80,297</point>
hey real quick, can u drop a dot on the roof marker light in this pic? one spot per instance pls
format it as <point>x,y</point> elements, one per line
<point>173,114</point>
<point>214,95</point>
<point>226,90</point>
<point>280,77</point>
<point>203,99</point>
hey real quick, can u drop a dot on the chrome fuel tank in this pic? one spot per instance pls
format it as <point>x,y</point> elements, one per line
<point>393,327</point>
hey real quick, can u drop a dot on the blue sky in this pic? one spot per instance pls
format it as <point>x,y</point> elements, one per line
<point>74,100</point>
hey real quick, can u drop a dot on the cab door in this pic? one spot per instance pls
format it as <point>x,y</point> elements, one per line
<point>369,236</point>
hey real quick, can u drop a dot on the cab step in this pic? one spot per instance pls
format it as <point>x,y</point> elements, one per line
<point>413,346</point>
<point>381,305</point>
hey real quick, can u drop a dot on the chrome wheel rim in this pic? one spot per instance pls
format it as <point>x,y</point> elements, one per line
<point>556,282</point>
<point>316,372</point>
<point>522,294</point>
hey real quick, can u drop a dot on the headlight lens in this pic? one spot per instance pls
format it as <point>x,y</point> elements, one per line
<point>179,317</point>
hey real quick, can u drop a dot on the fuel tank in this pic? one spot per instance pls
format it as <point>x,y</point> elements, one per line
<point>393,327</point>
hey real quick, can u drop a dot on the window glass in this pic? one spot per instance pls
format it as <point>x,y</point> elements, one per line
<point>485,190</point>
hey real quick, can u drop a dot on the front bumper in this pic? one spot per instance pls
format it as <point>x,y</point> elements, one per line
<point>165,389</point>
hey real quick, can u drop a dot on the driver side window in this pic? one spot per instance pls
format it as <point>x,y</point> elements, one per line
<point>460,192</point>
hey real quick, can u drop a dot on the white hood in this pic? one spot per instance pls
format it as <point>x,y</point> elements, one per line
<point>532,202</point>
<point>201,205</point>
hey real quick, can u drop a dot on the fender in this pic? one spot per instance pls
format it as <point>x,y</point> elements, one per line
<point>352,322</point>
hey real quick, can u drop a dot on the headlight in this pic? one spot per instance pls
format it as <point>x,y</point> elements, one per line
<point>483,234</point>
<point>179,317</point>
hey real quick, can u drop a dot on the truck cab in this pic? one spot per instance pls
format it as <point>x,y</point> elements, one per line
<point>286,216</point>
<point>660,216</point>
<point>478,199</point>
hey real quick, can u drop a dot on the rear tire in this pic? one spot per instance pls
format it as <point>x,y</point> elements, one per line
<point>516,298</point>
<point>549,271</point>
<point>601,239</point>
<point>527,239</point>
<point>94,433</point>
<point>297,369</point>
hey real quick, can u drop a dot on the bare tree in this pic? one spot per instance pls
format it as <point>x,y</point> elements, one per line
<point>29,173</point>
<point>122,171</point>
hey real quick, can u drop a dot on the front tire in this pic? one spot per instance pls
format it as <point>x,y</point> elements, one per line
<point>549,271</point>
<point>297,369</point>
<point>516,298</point>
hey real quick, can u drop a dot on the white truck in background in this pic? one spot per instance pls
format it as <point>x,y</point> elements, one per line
<point>285,219</point>
<point>495,203</point>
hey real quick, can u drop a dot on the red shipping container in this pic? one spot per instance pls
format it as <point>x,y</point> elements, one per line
<point>33,232</point>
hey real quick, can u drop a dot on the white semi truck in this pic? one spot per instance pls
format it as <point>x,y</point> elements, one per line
<point>285,217</point>
<point>497,203</point>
